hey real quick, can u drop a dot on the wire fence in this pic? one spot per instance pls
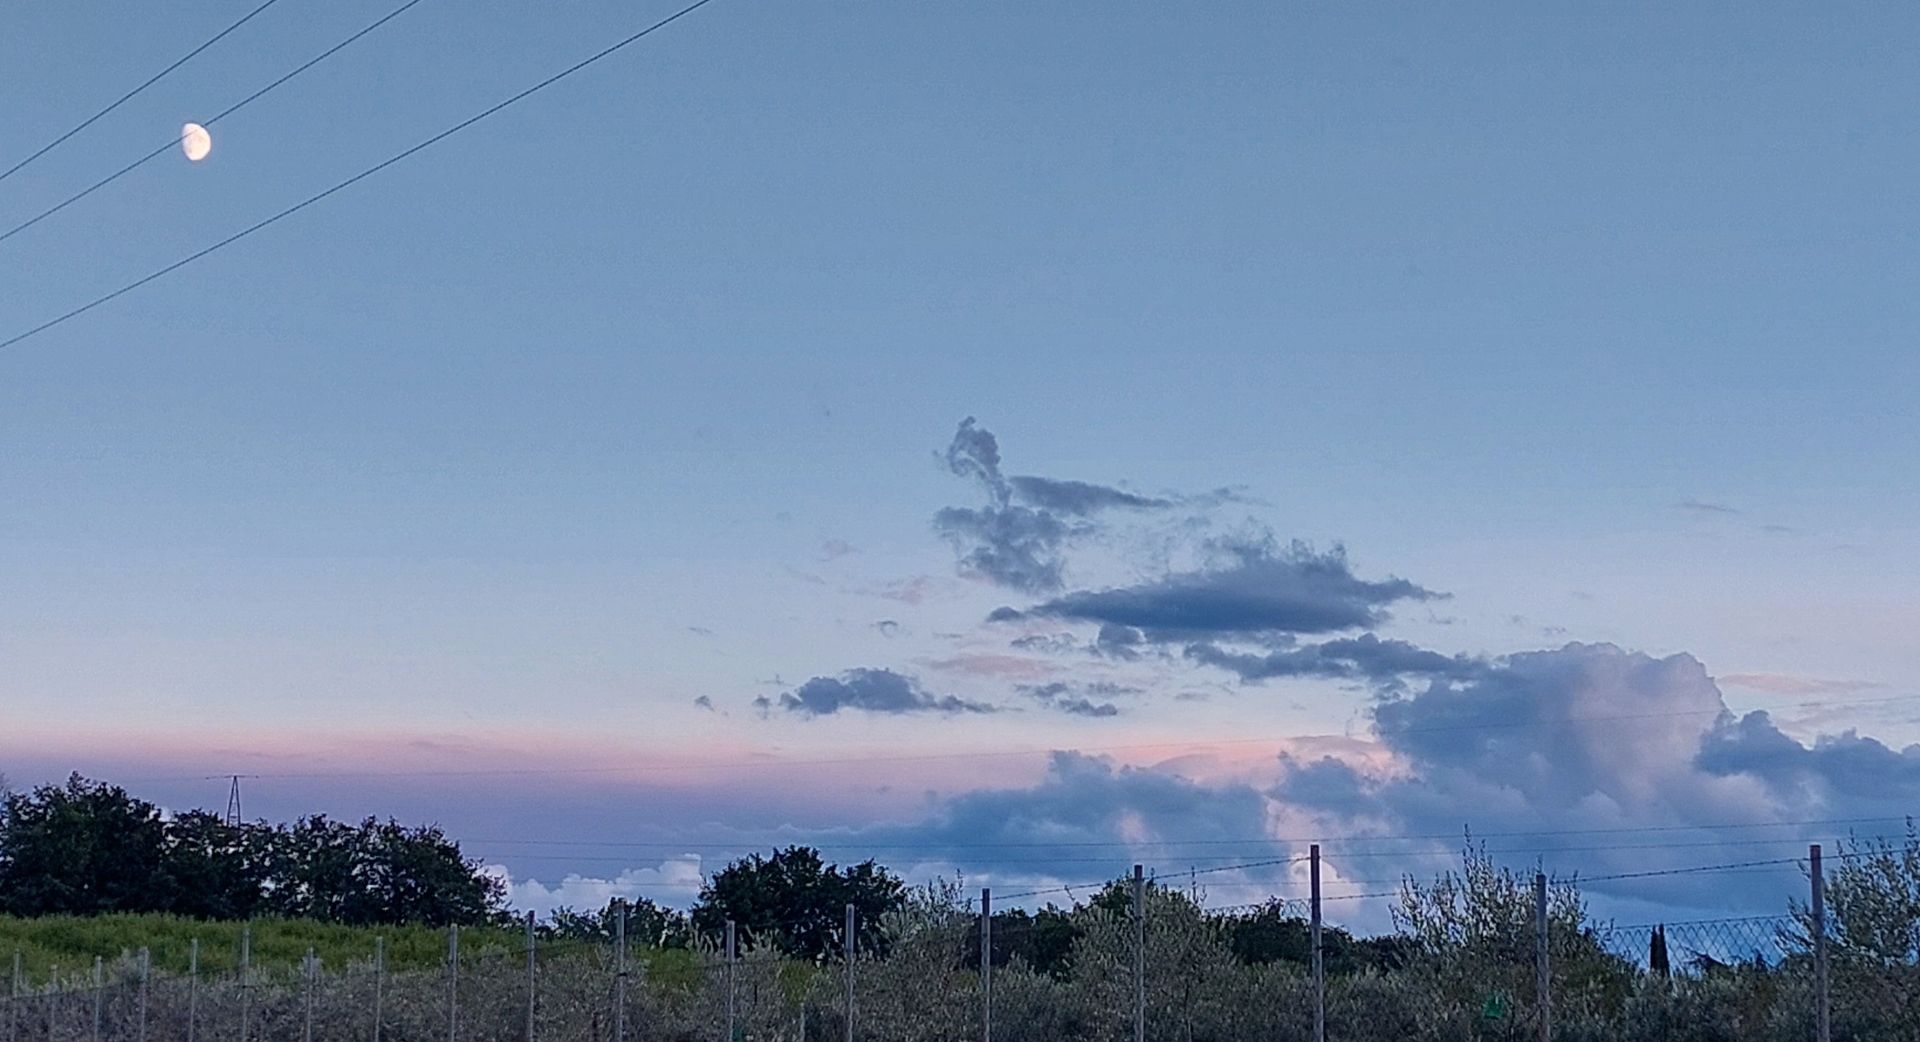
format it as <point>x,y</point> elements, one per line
<point>1142,962</point>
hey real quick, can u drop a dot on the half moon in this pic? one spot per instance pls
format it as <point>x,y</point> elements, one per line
<point>195,141</point>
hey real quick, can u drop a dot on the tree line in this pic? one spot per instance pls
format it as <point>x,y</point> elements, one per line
<point>89,848</point>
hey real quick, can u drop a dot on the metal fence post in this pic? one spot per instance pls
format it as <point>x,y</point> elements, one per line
<point>146,972</point>
<point>850,953</point>
<point>733,952</point>
<point>193,986</point>
<point>379,982</point>
<point>453,983</point>
<point>620,971</point>
<point>1319,951</point>
<point>533,979</point>
<point>1139,954</point>
<point>306,1000</point>
<point>1823,999</point>
<point>1542,969</point>
<point>246,978</point>
<point>99,994</point>
<point>986,964</point>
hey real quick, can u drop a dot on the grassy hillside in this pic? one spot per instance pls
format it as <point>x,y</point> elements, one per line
<point>72,943</point>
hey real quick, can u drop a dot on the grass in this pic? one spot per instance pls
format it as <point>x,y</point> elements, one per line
<point>73,942</point>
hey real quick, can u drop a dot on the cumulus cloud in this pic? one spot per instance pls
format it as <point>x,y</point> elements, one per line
<point>869,690</point>
<point>1596,737</point>
<point>1250,589</point>
<point>674,882</point>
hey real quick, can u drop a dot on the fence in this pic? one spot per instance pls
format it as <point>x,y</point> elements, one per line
<point>1148,965</point>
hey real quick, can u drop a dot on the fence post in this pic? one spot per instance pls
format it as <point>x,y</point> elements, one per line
<point>53,1002</point>
<point>13,1001</point>
<point>850,953</point>
<point>453,983</point>
<point>1542,969</point>
<point>1823,1008</point>
<point>246,978</point>
<point>99,994</point>
<point>1139,954</point>
<point>1319,953</point>
<point>986,964</point>
<point>732,950</point>
<point>193,986</point>
<point>620,971</point>
<point>146,972</point>
<point>533,977</point>
<point>306,999</point>
<point>379,982</point>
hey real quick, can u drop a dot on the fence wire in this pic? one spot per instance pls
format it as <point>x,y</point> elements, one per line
<point>1159,967</point>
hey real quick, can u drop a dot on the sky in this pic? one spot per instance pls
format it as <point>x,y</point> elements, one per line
<point>1002,439</point>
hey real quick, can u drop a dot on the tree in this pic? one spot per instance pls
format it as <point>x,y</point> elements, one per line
<point>83,848</point>
<point>377,873</point>
<point>648,924</point>
<point>794,900</point>
<point>213,870</point>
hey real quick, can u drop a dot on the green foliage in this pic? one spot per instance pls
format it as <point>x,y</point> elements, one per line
<point>73,942</point>
<point>88,848</point>
<point>648,924</point>
<point>795,901</point>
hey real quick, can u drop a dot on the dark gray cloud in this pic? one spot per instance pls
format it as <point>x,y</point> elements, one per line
<point>869,690</point>
<point>1079,699</point>
<point>1252,589</point>
<point>1018,539</point>
<point>1701,506</point>
<point>1365,657</point>
<point>1011,546</point>
<point>1080,498</point>
<point>1842,767</point>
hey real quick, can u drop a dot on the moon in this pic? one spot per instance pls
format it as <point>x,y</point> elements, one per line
<point>195,142</point>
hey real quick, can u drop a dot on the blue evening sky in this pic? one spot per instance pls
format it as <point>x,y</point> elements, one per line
<point>1599,319</point>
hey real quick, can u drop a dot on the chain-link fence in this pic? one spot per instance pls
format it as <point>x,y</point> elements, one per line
<point>1495,956</point>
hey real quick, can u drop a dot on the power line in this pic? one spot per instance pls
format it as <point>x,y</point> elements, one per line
<point>1334,855</point>
<point>1451,837</point>
<point>362,175</point>
<point>128,96</point>
<point>511,772</point>
<point>230,110</point>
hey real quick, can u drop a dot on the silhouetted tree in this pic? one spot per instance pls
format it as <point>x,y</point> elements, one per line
<point>83,848</point>
<point>797,902</point>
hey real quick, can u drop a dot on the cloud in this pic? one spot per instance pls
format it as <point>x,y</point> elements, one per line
<point>1838,768</point>
<point>1074,700</point>
<point>1697,506</point>
<point>705,702</point>
<point>869,690</point>
<point>834,549</point>
<point>1252,589</point>
<point>998,666</point>
<point>1366,657</point>
<point>1011,546</point>
<point>675,882</point>
<point>1790,684</point>
<point>1018,539</point>
<point>1080,498</point>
